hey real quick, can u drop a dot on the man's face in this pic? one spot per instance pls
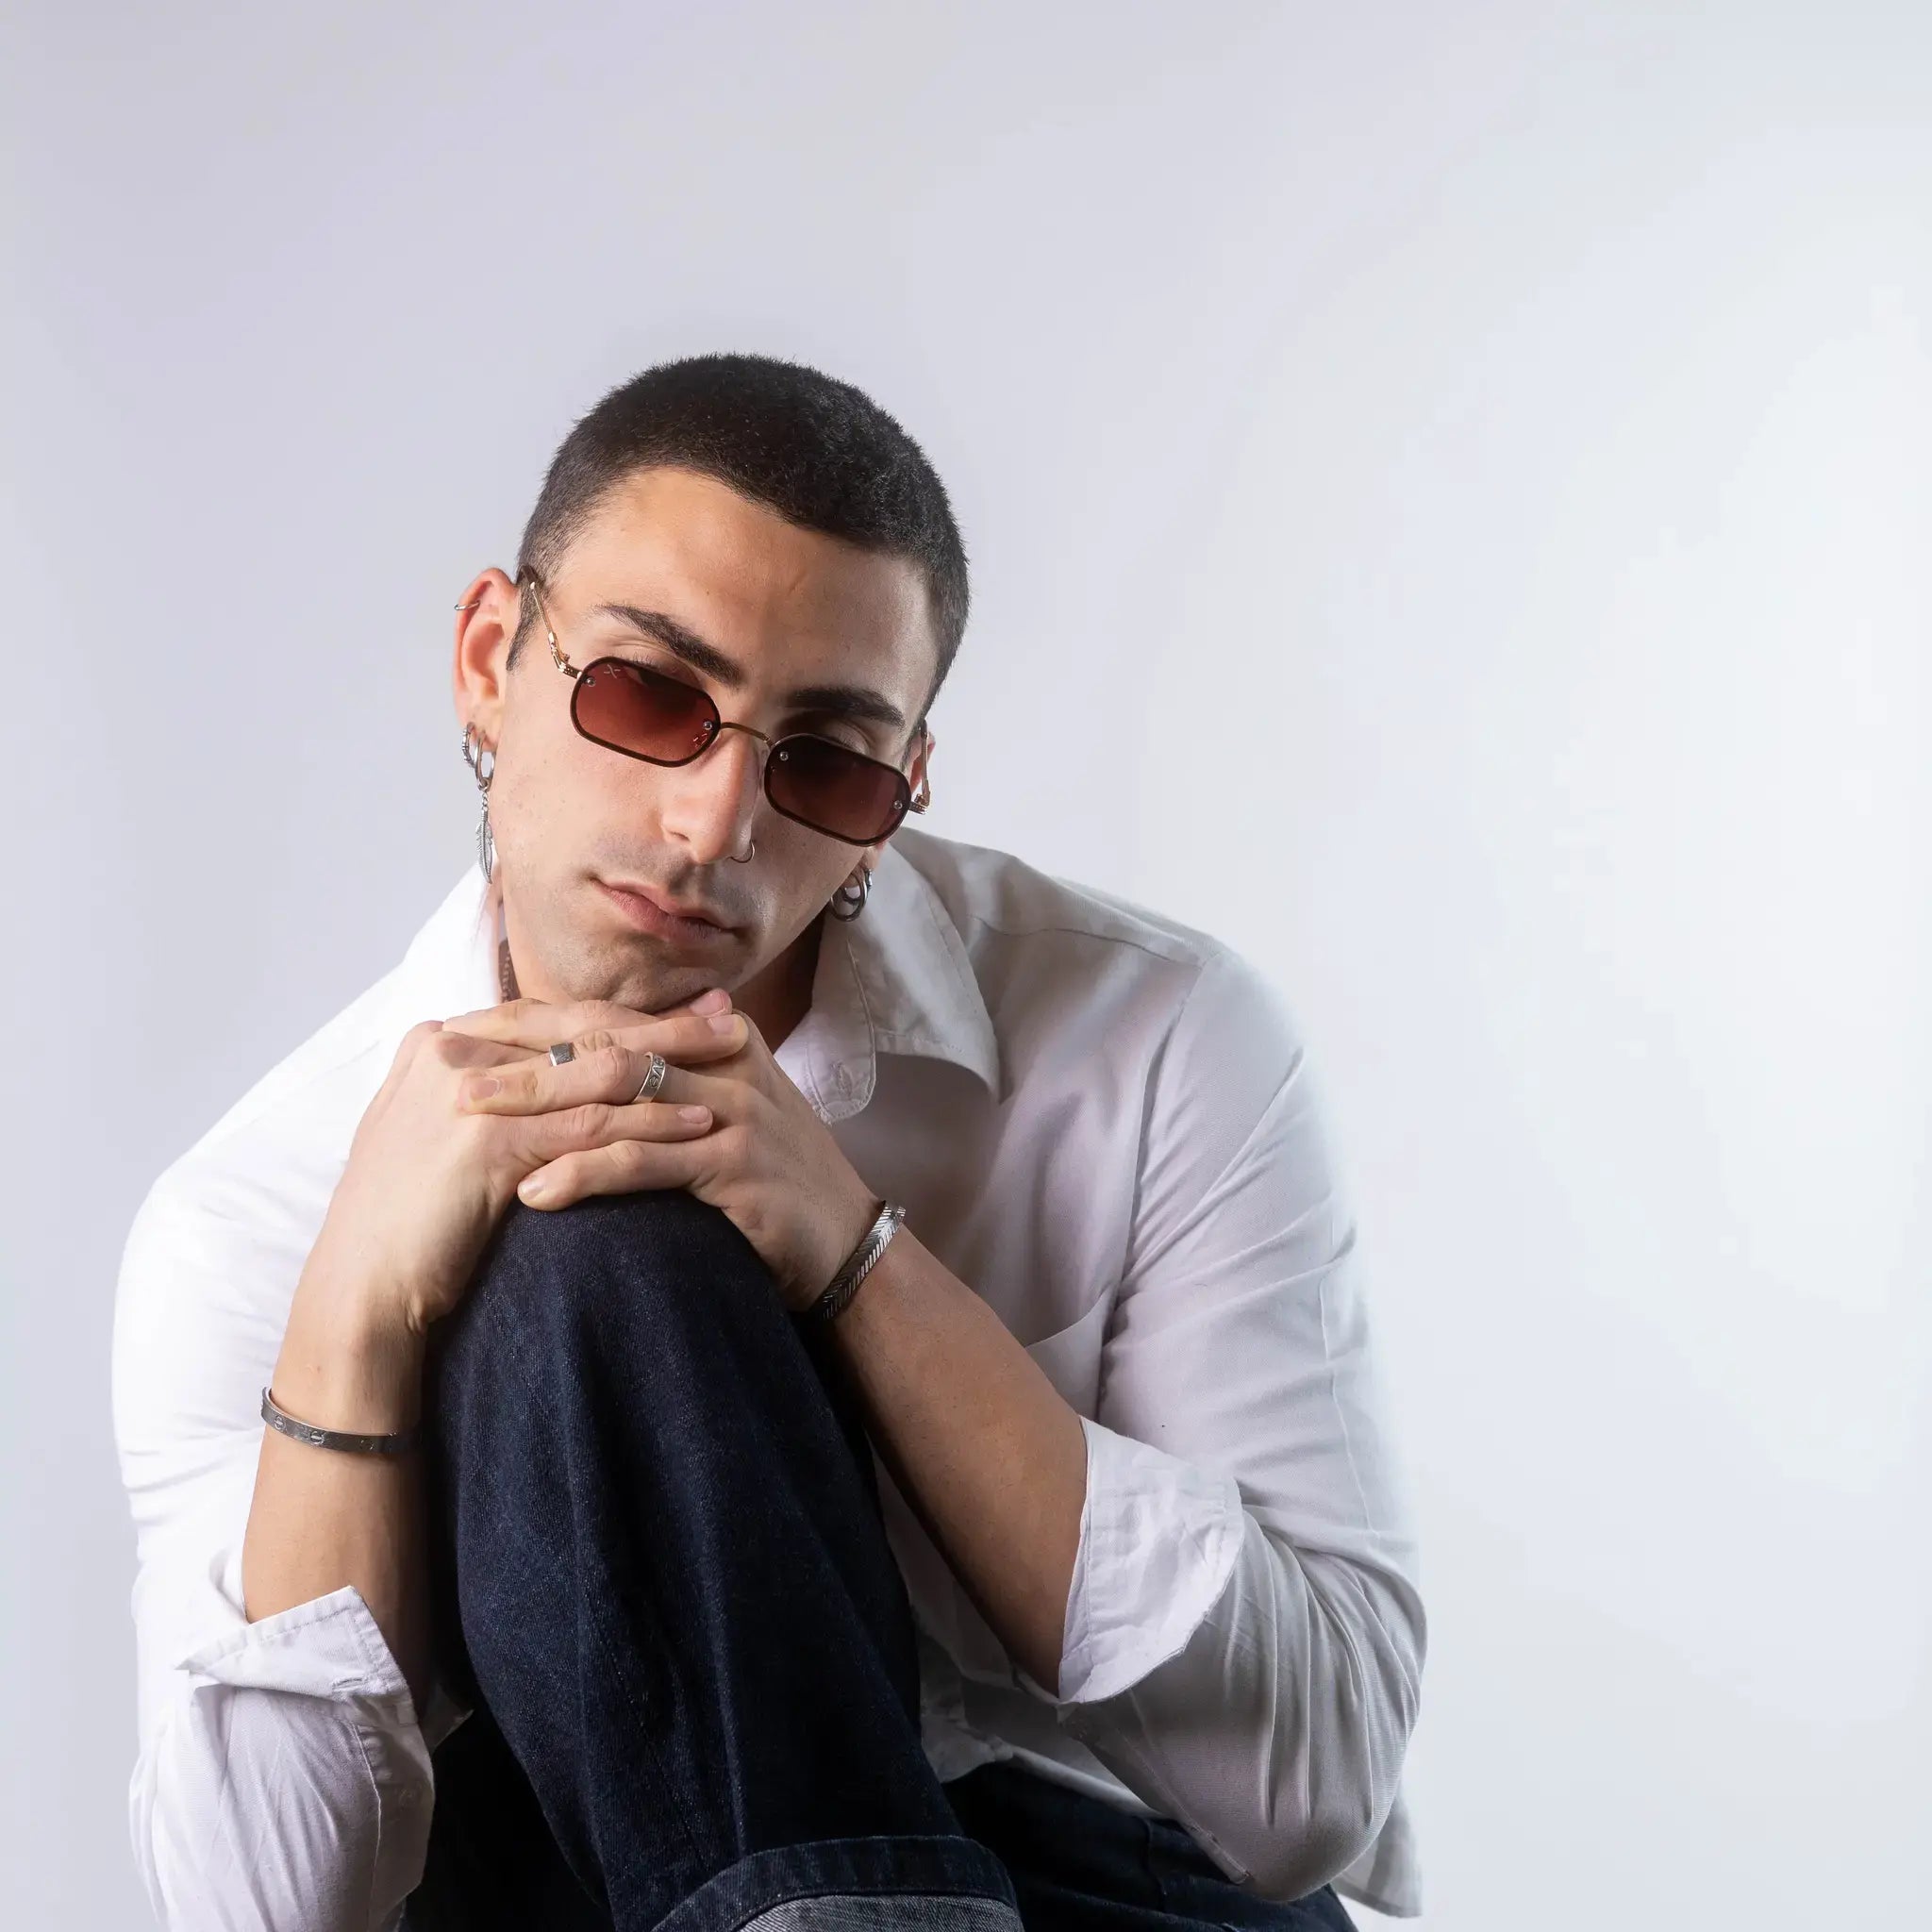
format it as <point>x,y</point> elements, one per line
<point>784,610</point>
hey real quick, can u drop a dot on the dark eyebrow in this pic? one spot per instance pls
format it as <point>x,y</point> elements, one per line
<point>680,642</point>
<point>856,702</point>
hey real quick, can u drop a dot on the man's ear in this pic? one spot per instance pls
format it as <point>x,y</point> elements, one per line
<point>486,617</point>
<point>920,775</point>
<point>922,789</point>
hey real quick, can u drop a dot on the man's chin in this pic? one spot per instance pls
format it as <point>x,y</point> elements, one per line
<point>663,984</point>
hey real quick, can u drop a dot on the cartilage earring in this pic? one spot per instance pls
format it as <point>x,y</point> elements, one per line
<point>486,843</point>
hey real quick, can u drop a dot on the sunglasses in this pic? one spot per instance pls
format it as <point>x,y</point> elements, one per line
<point>648,714</point>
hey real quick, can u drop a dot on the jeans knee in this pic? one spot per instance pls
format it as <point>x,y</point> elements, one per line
<point>660,1256</point>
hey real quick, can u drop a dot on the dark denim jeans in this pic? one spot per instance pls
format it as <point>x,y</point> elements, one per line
<point>661,1577</point>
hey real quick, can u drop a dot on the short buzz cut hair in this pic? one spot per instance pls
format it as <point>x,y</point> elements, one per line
<point>819,451</point>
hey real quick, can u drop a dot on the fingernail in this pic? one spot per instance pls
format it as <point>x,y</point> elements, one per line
<point>696,1115</point>
<point>533,1193</point>
<point>713,1002</point>
<point>482,1090</point>
<point>725,1022</point>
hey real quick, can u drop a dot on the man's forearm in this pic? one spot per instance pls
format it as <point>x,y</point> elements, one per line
<point>323,1518</point>
<point>987,1453</point>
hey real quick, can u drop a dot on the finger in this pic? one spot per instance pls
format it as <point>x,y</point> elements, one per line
<point>519,1020</point>
<point>624,1167</point>
<point>595,1124</point>
<point>538,1023</point>
<point>606,1066</point>
<point>728,1098</point>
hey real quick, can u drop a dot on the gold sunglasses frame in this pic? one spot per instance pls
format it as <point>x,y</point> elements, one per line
<point>919,801</point>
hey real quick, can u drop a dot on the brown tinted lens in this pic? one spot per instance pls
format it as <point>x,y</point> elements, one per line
<point>836,790</point>
<point>648,713</point>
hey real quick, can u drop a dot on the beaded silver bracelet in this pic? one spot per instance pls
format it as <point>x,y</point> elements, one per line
<point>859,1264</point>
<point>277,1416</point>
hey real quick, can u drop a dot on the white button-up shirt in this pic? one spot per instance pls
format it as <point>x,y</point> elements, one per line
<point>1104,1123</point>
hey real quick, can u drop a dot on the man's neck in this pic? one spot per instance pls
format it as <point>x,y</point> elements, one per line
<point>777,997</point>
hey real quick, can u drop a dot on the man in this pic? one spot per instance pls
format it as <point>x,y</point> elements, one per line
<point>848,1399</point>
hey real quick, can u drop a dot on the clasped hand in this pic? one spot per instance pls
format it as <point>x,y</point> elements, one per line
<point>738,1134</point>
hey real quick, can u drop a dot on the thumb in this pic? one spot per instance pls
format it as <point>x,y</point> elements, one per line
<point>714,999</point>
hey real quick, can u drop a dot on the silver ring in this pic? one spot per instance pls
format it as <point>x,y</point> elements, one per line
<point>561,1052</point>
<point>653,1080</point>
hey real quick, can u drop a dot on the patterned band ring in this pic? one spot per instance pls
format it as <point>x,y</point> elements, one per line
<point>561,1052</point>
<point>653,1079</point>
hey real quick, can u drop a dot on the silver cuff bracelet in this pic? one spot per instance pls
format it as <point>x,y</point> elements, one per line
<point>279,1418</point>
<point>859,1264</point>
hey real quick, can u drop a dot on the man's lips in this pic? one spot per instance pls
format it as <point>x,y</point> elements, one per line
<point>640,901</point>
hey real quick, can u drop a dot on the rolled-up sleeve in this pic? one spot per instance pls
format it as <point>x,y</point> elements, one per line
<point>1246,1633</point>
<point>282,1778</point>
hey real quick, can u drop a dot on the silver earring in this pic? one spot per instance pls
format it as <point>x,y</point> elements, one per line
<point>849,901</point>
<point>486,841</point>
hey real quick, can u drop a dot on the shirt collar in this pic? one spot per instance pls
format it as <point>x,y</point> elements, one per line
<point>896,979</point>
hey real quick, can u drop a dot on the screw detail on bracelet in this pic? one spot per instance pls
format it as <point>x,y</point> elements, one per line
<point>277,1416</point>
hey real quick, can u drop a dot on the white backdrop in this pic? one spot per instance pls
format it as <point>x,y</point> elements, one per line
<point>1519,416</point>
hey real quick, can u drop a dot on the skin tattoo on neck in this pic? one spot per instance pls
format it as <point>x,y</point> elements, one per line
<point>506,972</point>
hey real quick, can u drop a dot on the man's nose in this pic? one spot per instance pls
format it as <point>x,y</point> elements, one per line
<point>711,802</point>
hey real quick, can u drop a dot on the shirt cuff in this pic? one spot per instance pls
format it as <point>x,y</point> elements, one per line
<point>330,1646</point>
<point>327,1647</point>
<point>1158,1539</point>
